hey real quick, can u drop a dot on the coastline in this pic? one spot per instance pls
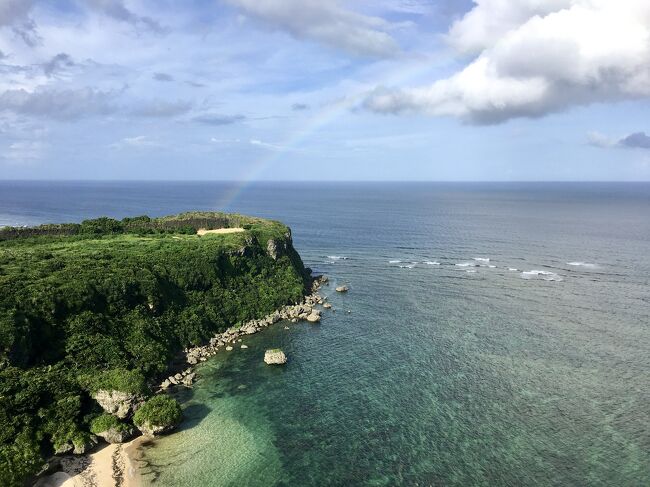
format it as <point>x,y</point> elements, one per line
<point>111,465</point>
<point>116,464</point>
<point>184,374</point>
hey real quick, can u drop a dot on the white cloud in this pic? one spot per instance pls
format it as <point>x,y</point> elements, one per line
<point>273,147</point>
<point>636,140</point>
<point>24,152</point>
<point>325,21</point>
<point>64,104</point>
<point>536,57</point>
<point>138,142</point>
<point>601,140</point>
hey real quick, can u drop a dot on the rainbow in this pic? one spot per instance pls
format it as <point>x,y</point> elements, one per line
<point>290,143</point>
<point>323,117</point>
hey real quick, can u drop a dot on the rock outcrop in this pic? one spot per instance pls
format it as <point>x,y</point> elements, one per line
<point>275,357</point>
<point>342,289</point>
<point>117,403</point>
<point>115,435</point>
<point>149,429</point>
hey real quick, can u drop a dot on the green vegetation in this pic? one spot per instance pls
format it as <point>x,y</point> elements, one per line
<point>106,304</point>
<point>106,422</point>
<point>161,411</point>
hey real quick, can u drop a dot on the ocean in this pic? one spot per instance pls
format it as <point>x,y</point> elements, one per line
<point>494,334</point>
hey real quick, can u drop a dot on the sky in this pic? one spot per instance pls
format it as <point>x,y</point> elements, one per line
<point>443,90</point>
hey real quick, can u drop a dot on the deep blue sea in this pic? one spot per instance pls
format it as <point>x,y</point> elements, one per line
<point>494,334</point>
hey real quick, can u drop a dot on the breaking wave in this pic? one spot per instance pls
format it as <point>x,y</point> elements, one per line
<point>543,275</point>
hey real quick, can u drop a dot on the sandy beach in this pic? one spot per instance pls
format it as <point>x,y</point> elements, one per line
<point>111,465</point>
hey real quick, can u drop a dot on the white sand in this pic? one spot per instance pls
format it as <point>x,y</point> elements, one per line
<point>109,466</point>
<point>203,231</point>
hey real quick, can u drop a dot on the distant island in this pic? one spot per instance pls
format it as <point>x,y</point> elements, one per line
<point>94,314</point>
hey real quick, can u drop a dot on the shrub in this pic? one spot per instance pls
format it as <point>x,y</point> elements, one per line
<point>131,381</point>
<point>106,422</point>
<point>160,410</point>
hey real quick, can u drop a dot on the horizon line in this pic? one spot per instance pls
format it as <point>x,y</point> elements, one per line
<point>328,181</point>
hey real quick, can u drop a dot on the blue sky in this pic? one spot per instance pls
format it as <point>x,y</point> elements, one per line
<point>325,89</point>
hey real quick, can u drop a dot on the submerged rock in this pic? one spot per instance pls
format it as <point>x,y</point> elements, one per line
<point>275,357</point>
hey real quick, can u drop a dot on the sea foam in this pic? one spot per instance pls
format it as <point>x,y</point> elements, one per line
<point>544,275</point>
<point>582,264</point>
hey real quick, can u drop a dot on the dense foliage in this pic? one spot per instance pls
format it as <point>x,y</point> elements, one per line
<point>107,306</point>
<point>160,410</point>
<point>105,422</point>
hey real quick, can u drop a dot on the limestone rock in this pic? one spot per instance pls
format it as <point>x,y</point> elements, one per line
<point>342,289</point>
<point>117,403</point>
<point>113,435</point>
<point>188,379</point>
<point>275,357</point>
<point>149,429</point>
<point>313,318</point>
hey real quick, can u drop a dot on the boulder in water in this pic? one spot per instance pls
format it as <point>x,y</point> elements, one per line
<point>275,357</point>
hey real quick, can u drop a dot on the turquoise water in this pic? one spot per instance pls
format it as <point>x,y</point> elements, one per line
<point>437,376</point>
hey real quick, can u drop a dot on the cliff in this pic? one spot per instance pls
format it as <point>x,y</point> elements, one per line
<point>105,305</point>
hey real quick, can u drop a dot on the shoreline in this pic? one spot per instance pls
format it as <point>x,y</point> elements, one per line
<point>110,465</point>
<point>305,310</point>
<point>116,464</point>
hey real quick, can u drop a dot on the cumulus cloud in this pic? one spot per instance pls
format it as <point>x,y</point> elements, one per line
<point>533,58</point>
<point>325,21</point>
<point>217,119</point>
